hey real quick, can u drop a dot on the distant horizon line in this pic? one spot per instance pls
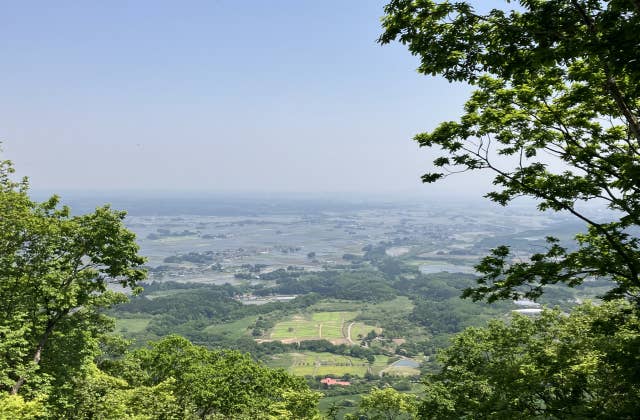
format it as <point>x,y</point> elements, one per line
<point>193,193</point>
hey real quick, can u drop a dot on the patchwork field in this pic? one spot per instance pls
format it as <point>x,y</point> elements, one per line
<point>318,325</point>
<point>320,364</point>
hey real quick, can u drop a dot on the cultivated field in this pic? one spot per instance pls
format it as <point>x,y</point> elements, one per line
<point>320,364</point>
<point>330,326</point>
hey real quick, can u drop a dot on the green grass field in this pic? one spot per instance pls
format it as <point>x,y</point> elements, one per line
<point>131,325</point>
<point>298,327</point>
<point>360,330</point>
<point>282,361</point>
<point>318,325</point>
<point>379,364</point>
<point>233,330</point>
<point>402,371</point>
<point>314,364</point>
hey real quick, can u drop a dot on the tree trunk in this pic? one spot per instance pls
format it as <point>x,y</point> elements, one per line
<point>36,357</point>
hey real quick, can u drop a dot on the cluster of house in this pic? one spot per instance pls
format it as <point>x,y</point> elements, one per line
<point>331,381</point>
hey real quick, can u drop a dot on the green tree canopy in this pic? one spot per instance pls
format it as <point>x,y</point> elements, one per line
<point>584,365</point>
<point>54,274</point>
<point>554,115</point>
<point>222,383</point>
<point>386,404</point>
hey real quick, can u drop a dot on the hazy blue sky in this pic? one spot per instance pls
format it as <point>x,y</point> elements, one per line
<point>214,95</point>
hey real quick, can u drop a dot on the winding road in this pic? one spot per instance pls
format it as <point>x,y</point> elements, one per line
<point>349,333</point>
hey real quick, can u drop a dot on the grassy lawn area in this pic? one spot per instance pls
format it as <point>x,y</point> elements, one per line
<point>282,361</point>
<point>379,364</point>
<point>235,329</point>
<point>298,327</point>
<point>332,323</point>
<point>131,325</point>
<point>360,330</point>
<point>402,371</point>
<point>341,370</point>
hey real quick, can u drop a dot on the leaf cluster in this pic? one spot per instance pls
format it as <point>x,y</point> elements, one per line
<point>554,116</point>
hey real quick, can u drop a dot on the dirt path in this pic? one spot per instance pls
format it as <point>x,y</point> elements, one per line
<point>320,331</point>
<point>349,333</point>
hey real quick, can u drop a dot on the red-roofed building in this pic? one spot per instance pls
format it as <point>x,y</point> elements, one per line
<point>331,381</point>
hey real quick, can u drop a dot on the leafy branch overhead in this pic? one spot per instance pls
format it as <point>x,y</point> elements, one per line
<point>555,116</point>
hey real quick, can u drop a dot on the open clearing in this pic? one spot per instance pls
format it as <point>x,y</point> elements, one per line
<point>131,325</point>
<point>360,330</point>
<point>379,364</point>
<point>235,329</point>
<point>318,325</point>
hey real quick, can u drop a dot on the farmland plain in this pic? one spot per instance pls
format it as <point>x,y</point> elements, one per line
<point>361,285</point>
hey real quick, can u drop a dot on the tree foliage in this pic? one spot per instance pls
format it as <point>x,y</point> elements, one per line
<point>209,383</point>
<point>584,365</point>
<point>554,116</point>
<point>387,404</point>
<point>54,272</point>
<point>15,407</point>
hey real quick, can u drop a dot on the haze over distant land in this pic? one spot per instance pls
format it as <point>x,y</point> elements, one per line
<point>215,96</point>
